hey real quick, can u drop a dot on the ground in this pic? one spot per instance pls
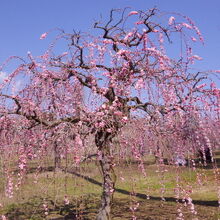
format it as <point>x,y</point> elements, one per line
<point>151,197</point>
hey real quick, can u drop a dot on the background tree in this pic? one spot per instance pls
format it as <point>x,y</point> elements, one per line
<point>100,84</point>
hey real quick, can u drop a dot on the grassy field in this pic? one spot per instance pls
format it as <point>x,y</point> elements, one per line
<point>150,197</point>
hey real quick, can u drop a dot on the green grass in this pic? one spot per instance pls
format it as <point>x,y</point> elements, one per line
<point>131,188</point>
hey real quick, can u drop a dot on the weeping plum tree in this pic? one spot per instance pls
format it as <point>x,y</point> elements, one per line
<point>99,84</point>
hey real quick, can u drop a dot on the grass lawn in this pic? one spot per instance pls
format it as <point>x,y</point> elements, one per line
<point>151,197</point>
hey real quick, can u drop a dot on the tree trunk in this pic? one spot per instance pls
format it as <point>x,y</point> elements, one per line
<point>57,159</point>
<point>108,185</point>
<point>109,177</point>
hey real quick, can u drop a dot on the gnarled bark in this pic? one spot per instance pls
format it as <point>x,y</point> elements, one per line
<point>103,141</point>
<point>57,158</point>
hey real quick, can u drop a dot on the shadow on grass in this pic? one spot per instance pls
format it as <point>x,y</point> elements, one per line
<point>141,195</point>
<point>33,210</point>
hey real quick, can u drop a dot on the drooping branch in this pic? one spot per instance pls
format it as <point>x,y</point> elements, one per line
<point>36,118</point>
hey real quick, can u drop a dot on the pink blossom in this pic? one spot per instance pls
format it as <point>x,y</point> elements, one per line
<point>187,25</point>
<point>104,106</point>
<point>155,30</point>
<point>122,178</point>
<point>139,84</point>
<point>100,113</point>
<point>101,124</point>
<point>139,22</point>
<point>44,35</point>
<point>80,123</point>
<point>213,85</point>
<point>133,13</point>
<point>104,90</point>
<point>118,113</point>
<point>21,166</point>
<point>6,80</point>
<point>128,35</point>
<point>171,20</point>
<point>4,217</point>
<point>77,159</point>
<point>112,190</point>
<point>107,41</point>
<point>216,91</point>
<point>197,57</point>
<point>66,200</point>
<point>111,108</point>
<point>109,130</point>
<point>201,86</point>
<point>193,39</point>
<point>121,52</point>
<point>79,140</point>
<point>125,119</point>
<point>9,189</point>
